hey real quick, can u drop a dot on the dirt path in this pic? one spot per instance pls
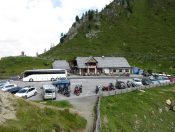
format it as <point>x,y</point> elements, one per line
<point>85,106</point>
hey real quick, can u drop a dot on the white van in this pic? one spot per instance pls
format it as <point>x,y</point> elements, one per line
<point>7,86</point>
<point>49,92</point>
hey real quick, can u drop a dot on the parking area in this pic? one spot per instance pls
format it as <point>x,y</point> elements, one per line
<point>88,89</point>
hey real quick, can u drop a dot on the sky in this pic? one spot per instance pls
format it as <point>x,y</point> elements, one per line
<point>34,25</point>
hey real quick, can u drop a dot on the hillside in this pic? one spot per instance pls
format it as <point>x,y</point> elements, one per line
<point>139,111</point>
<point>20,115</point>
<point>141,30</point>
<point>12,66</point>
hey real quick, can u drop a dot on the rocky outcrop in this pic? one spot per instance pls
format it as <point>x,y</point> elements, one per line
<point>7,109</point>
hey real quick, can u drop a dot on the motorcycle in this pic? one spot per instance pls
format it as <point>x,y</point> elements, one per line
<point>97,89</point>
<point>78,90</point>
<point>109,87</point>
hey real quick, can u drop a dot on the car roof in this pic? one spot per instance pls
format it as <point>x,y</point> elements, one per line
<point>137,79</point>
<point>28,87</point>
<point>47,86</point>
<point>25,88</point>
<point>8,84</point>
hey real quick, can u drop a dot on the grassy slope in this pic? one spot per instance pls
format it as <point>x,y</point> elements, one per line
<point>16,65</point>
<point>59,104</point>
<point>146,38</point>
<point>138,111</point>
<point>32,118</point>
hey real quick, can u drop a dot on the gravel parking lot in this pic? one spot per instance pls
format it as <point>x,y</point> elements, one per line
<point>89,86</point>
<point>85,102</point>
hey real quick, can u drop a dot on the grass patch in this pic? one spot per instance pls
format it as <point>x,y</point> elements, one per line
<point>32,118</point>
<point>12,66</point>
<point>60,104</point>
<point>139,111</point>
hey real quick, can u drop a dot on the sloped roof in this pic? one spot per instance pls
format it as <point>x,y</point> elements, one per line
<point>60,64</point>
<point>104,62</point>
<point>91,59</point>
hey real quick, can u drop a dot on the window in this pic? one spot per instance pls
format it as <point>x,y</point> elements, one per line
<point>29,90</point>
<point>9,86</point>
<point>120,70</point>
<point>44,72</point>
<point>114,70</point>
<point>126,70</point>
<point>32,89</point>
<point>49,91</point>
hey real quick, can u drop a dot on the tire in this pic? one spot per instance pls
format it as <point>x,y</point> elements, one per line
<point>68,95</point>
<point>52,79</point>
<point>78,93</point>
<point>31,80</point>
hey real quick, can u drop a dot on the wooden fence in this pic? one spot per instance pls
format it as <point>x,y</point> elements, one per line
<point>120,91</point>
<point>98,118</point>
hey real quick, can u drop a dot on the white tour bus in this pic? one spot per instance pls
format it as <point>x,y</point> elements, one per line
<point>44,74</point>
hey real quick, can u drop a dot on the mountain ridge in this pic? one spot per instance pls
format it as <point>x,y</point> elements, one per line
<point>141,31</point>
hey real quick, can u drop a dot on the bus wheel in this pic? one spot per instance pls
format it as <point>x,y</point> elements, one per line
<point>30,80</point>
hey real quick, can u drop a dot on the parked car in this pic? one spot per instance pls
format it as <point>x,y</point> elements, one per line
<point>26,92</point>
<point>49,92</point>
<point>137,81</point>
<point>7,86</point>
<point>14,90</point>
<point>120,84</point>
<point>172,79</point>
<point>146,81</point>
<point>163,79</point>
<point>3,83</point>
<point>155,81</point>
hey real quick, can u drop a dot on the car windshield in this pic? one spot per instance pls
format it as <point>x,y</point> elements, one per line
<point>8,86</point>
<point>49,91</point>
<point>137,80</point>
<point>165,78</point>
<point>2,84</point>
<point>3,81</point>
<point>153,79</point>
<point>16,88</point>
<point>22,91</point>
